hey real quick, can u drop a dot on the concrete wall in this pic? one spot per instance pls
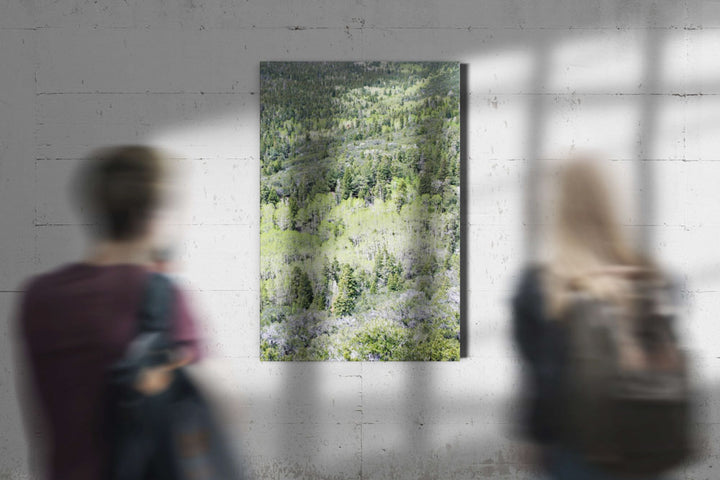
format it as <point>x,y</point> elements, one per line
<point>632,79</point>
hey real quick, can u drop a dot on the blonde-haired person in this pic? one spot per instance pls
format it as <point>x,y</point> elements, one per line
<point>77,320</point>
<point>588,252</point>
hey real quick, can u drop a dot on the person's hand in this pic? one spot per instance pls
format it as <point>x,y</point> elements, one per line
<point>154,380</point>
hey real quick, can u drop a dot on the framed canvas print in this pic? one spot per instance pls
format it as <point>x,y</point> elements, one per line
<point>360,211</point>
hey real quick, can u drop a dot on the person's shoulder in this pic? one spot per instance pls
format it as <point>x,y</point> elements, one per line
<point>528,289</point>
<point>671,277</point>
<point>37,291</point>
<point>31,284</point>
<point>673,283</point>
<point>39,282</point>
<point>531,276</point>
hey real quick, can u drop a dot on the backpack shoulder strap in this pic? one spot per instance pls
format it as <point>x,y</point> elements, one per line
<point>156,307</point>
<point>152,343</point>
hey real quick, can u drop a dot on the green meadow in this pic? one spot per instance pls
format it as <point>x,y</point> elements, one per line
<point>360,211</point>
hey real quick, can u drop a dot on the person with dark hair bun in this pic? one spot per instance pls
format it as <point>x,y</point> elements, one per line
<point>77,320</point>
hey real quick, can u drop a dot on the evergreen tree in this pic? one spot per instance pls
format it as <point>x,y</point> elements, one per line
<point>348,291</point>
<point>348,183</point>
<point>425,185</point>
<point>301,292</point>
<point>294,208</point>
<point>401,196</point>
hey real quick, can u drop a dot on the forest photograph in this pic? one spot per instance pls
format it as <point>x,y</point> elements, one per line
<point>360,211</point>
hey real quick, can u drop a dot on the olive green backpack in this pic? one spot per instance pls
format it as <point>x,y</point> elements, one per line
<point>627,397</point>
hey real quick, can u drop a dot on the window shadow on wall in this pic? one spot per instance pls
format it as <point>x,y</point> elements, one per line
<point>361,219</point>
<point>302,396</point>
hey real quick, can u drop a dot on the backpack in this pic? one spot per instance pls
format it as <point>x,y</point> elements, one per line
<point>172,435</point>
<point>626,393</point>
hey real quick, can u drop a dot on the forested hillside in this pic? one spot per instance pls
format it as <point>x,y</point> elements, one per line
<point>360,211</point>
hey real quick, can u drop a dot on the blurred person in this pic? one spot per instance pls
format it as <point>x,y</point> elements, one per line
<point>74,322</point>
<point>593,271</point>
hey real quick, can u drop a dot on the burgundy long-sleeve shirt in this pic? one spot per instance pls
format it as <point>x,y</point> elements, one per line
<point>74,323</point>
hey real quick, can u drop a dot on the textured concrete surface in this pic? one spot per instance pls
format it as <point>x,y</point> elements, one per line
<point>631,79</point>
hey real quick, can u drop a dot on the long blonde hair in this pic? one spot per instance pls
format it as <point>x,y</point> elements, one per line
<point>590,252</point>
